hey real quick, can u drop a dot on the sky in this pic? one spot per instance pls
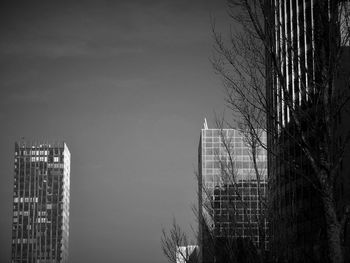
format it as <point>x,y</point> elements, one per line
<point>127,85</point>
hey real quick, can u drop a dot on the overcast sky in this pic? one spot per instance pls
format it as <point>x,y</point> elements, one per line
<point>126,84</point>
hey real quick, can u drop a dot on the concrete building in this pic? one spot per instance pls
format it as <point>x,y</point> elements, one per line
<point>187,254</point>
<point>40,228</point>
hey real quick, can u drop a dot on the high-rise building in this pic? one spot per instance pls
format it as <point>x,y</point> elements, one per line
<point>297,221</point>
<point>40,228</point>
<point>231,195</point>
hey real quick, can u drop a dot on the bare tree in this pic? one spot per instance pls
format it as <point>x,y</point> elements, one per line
<point>292,92</point>
<point>242,202</point>
<point>176,247</point>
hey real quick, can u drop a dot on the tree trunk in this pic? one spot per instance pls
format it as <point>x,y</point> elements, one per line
<point>333,228</point>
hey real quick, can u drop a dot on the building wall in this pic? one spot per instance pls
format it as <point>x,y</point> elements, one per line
<point>342,129</point>
<point>187,254</point>
<point>40,229</point>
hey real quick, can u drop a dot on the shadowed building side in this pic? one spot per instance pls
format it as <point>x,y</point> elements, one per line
<point>298,230</point>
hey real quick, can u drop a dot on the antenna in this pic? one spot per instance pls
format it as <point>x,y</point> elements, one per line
<point>22,141</point>
<point>205,124</point>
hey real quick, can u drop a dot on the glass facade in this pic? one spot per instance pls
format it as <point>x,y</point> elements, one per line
<point>40,228</point>
<point>229,190</point>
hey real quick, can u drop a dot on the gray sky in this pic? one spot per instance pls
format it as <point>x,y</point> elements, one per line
<point>127,85</point>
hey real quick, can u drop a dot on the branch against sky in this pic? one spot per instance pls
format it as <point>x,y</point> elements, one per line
<point>176,247</point>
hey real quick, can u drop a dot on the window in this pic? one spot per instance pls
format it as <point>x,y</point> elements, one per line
<point>41,220</point>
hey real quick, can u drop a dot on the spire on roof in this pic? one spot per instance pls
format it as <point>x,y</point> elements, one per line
<point>205,124</point>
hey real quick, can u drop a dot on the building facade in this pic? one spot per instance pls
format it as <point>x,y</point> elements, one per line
<point>40,228</point>
<point>294,83</point>
<point>187,254</point>
<point>231,197</point>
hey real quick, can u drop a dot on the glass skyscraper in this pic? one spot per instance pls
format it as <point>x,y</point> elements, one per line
<point>229,190</point>
<point>40,228</point>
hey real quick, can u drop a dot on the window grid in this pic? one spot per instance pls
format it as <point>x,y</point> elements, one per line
<point>234,208</point>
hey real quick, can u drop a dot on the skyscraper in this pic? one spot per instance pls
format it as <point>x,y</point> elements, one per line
<point>305,35</point>
<point>40,228</point>
<point>230,194</point>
